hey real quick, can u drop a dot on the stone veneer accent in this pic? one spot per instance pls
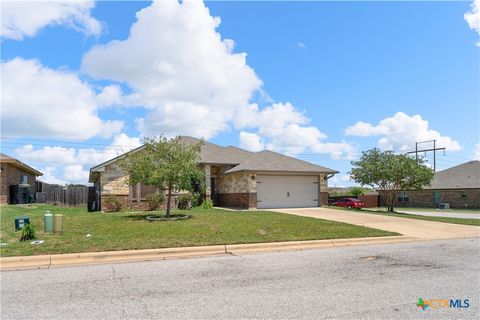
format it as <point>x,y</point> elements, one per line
<point>114,181</point>
<point>236,183</point>
<point>237,190</point>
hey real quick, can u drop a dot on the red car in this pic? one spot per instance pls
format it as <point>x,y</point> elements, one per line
<point>350,203</point>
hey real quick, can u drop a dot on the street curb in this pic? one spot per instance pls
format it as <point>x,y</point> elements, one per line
<point>87,258</point>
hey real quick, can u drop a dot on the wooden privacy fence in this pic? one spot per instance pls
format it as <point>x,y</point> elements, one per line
<point>69,196</point>
<point>370,200</point>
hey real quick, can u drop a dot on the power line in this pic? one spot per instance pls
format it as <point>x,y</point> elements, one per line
<point>434,149</point>
<point>16,145</point>
<point>19,145</point>
<point>27,141</point>
<point>113,152</point>
<point>461,158</point>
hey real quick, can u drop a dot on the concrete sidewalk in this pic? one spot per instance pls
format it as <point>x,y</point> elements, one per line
<point>444,214</point>
<point>418,229</point>
<point>86,258</point>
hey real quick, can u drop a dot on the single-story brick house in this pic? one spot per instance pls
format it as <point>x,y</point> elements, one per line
<point>234,178</point>
<point>17,180</point>
<point>458,186</point>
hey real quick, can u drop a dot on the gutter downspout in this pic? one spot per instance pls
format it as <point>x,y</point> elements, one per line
<point>330,175</point>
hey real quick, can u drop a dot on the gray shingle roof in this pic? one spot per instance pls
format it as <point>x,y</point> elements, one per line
<point>242,160</point>
<point>3,156</point>
<point>274,162</point>
<point>19,164</point>
<point>215,154</point>
<point>463,176</point>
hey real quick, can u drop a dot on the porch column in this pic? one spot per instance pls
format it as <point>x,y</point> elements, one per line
<point>208,191</point>
<point>139,188</point>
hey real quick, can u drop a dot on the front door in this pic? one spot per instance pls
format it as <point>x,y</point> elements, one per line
<point>213,193</point>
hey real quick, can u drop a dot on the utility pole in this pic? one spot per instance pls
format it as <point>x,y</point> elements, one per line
<point>434,149</point>
<point>416,151</point>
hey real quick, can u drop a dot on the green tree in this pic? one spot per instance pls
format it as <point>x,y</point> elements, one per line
<point>389,173</point>
<point>165,163</point>
<point>356,191</point>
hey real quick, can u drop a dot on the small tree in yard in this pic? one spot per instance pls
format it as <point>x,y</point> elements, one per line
<point>389,173</point>
<point>166,164</point>
<point>356,191</point>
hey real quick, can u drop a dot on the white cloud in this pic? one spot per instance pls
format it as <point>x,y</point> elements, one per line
<point>271,120</point>
<point>75,173</point>
<point>179,68</point>
<point>50,176</point>
<point>192,82</point>
<point>26,18</point>
<point>42,102</point>
<point>174,118</point>
<point>473,17</point>
<point>401,131</point>
<point>53,155</point>
<point>109,128</point>
<point>282,128</point>
<point>476,152</point>
<point>72,164</point>
<point>125,142</point>
<point>340,181</point>
<point>251,141</point>
<point>302,45</point>
<point>70,174</point>
<point>109,96</point>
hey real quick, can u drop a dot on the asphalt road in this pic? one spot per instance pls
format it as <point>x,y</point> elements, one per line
<point>368,282</point>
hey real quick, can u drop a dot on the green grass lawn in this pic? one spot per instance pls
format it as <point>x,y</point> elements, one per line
<point>127,230</point>
<point>382,211</point>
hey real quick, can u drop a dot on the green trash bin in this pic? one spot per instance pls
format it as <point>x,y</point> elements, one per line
<point>48,221</point>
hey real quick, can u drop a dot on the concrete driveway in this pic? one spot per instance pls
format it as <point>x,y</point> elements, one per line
<point>420,229</point>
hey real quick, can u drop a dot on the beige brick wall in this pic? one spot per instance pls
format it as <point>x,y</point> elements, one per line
<point>424,198</point>
<point>114,181</point>
<point>10,175</point>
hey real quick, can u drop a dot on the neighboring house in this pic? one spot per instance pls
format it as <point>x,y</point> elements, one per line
<point>458,186</point>
<point>234,178</point>
<point>17,180</point>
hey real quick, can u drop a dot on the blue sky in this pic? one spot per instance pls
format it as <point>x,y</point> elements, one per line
<point>321,80</point>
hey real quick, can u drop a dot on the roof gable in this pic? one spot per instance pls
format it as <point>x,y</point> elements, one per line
<point>18,164</point>
<point>241,159</point>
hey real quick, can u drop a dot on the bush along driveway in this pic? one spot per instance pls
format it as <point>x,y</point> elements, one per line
<point>129,230</point>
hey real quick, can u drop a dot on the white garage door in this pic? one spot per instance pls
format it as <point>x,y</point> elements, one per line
<point>287,191</point>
